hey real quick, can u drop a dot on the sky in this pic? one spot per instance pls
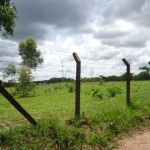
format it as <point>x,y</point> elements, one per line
<point>101,32</point>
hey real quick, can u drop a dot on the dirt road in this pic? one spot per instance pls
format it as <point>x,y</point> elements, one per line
<point>138,141</point>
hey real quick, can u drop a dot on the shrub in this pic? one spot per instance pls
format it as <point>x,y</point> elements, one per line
<point>96,94</point>
<point>113,91</point>
<point>71,88</point>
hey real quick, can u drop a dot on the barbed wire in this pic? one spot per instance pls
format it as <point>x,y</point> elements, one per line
<point>7,43</point>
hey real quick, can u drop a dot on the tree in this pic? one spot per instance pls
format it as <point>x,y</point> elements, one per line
<point>144,75</point>
<point>30,55</point>
<point>123,77</point>
<point>8,14</point>
<point>11,70</point>
<point>145,69</point>
<point>25,78</point>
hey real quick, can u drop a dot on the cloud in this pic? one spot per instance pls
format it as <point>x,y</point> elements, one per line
<point>37,18</point>
<point>101,32</point>
<point>124,9</point>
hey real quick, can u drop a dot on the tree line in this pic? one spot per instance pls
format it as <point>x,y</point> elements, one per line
<point>143,75</point>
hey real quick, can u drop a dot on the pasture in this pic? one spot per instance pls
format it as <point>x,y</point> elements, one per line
<point>104,116</point>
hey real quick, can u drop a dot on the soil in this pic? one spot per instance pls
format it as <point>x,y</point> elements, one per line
<point>136,141</point>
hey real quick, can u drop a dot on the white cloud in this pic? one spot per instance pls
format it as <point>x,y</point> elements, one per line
<point>101,32</point>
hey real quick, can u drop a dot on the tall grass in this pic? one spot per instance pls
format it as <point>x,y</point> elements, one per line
<point>103,120</point>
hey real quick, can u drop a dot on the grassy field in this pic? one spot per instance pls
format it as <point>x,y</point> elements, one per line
<point>104,116</point>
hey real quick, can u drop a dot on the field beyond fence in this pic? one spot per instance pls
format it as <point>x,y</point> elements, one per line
<point>103,110</point>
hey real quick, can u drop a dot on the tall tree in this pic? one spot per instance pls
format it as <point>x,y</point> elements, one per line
<point>8,14</point>
<point>30,55</point>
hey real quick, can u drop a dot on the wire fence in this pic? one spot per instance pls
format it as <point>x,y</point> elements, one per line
<point>61,64</point>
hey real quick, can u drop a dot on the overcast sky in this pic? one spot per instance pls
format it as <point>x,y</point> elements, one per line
<point>101,32</point>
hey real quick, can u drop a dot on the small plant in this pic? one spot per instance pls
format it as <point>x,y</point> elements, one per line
<point>49,89</point>
<point>113,91</point>
<point>101,82</point>
<point>60,87</point>
<point>71,88</point>
<point>56,88</point>
<point>96,94</point>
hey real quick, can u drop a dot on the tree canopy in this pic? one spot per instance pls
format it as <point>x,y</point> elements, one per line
<point>10,70</point>
<point>30,55</point>
<point>8,14</point>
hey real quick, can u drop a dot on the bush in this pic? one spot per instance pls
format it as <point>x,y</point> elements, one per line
<point>113,91</point>
<point>96,94</point>
<point>71,88</point>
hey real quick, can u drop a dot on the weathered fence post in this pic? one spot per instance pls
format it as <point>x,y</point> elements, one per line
<point>17,105</point>
<point>128,81</point>
<point>78,77</point>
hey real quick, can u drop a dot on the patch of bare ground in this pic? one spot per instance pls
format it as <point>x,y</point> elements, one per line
<point>138,140</point>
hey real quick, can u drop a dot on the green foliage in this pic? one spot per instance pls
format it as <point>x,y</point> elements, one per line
<point>56,88</point>
<point>96,94</point>
<point>25,78</point>
<point>60,87</point>
<point>47,135</point>
<point>30,55</point>
<point>11,70</point>
<point>8,14</point>
<point>71,88</point>
<point>104,123</point>
<point>101,82</point>
<point>112,91</point>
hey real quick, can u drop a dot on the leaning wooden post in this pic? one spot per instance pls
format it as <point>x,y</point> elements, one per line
<point>78,77</point>
<point>128,81</point>
<point>17,105</point>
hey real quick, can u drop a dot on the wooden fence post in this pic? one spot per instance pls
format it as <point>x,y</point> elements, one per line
<point>128,81</point>
<point>17,105</point>
<point>78,77</point>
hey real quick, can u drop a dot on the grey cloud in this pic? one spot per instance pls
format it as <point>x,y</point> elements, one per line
<point>8,49</point>
<point>80,30</point>
<point>110,33</point>
<point>135,39</point>
<point>125,43</point>
<point>54,13</point>
<point>136,11</point>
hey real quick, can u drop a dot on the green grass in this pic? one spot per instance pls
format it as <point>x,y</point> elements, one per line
<point>103,119</point>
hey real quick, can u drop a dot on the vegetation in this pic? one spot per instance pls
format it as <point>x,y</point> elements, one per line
<point>31,57</point>
<point>10,71</point>
<point>143,75</point>
<point>8,14</point>
<point>102,121</point>
<point>25,85</point>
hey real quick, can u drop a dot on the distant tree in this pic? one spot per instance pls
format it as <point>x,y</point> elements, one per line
<point>144,75</point>
<point>11,70</point>
<point>123,77</point>
<point>30,55</point>
<point>25,85</point>
<point>145,69</point>
<point>8,14</point>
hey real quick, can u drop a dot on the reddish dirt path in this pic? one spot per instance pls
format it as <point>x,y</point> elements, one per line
<point>138,141</point>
